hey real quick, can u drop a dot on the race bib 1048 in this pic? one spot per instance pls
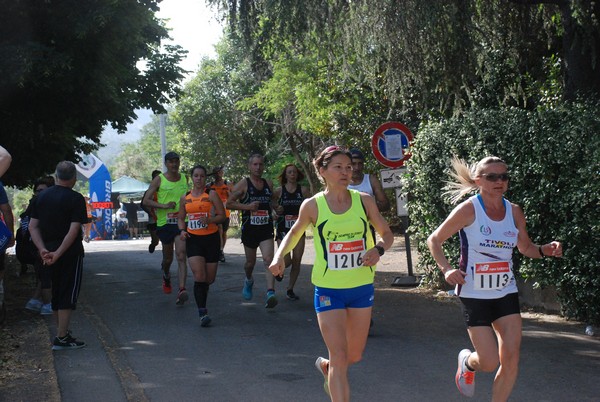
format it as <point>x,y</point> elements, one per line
<point>345,254</point>
<point>492,275</point>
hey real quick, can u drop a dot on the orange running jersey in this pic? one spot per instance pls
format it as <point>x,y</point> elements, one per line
<point>196,208</point>
<point>223,192</point>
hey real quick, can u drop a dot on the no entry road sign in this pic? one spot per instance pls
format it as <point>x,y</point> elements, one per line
<point>391,144</point>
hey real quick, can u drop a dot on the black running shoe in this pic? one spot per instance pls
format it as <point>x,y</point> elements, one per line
<point>67,342</point>
<point>291,295</point>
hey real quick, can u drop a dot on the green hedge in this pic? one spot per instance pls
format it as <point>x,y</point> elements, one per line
<point>554,162</point>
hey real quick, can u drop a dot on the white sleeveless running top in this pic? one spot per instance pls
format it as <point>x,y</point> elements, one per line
<point>364,186</point>
<point>486,248</point>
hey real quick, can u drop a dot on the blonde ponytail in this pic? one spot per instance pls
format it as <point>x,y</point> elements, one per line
<point>464,176</point>
<point>462,183</point>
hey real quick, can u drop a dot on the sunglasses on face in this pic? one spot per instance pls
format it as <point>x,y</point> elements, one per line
<point>495,176</point>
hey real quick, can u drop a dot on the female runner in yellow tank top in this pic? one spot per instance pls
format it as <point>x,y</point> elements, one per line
<point>344,268</point>
<point>200,211</point>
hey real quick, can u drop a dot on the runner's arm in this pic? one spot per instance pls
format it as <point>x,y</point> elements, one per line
<point>305,192</point>
<point>218,207</point>
<point>380,198</point>
<point>181,215</point>
<point>233,201</point>
<point>307,216</point>
<point>275,201</point>
<point>463,215</point>
<point>526,245</point>
<point>381,227</point>
<point>148,200</point>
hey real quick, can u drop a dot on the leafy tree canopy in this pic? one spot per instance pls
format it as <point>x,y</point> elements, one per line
<point>212,130</point>
<point>69,68</point>
<point>140,158</point>
<point>436,58</point>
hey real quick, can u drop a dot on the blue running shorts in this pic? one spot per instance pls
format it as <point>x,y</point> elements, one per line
<point>336,299</point>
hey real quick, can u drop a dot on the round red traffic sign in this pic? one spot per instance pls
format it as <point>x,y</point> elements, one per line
<point>391,144</point>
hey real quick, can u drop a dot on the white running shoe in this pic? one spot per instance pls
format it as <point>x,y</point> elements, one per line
<point>322,365</point>
<point>465,378</point>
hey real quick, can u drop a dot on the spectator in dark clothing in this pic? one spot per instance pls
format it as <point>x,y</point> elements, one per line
<point>57,217</point>
<point>131,208</point>
<point>5,160</point>
<point>42,295</point>
<point>6,215</point>
<point>154,240</point>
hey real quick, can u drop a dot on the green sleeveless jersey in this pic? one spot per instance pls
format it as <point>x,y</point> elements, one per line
<point>167,192</point>
<point>341,241</point>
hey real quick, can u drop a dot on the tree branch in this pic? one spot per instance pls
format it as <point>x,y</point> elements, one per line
<point>534,2</point>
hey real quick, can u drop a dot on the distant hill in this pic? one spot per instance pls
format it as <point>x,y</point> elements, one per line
<point>115,141</point>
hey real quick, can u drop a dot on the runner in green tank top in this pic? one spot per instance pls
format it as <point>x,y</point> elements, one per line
<point>344,265</point>
<point>169,187</point>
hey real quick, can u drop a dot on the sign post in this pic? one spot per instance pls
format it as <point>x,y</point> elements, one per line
<point>391,147</point>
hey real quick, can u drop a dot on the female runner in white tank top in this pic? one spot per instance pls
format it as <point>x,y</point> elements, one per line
<point>489,227</point>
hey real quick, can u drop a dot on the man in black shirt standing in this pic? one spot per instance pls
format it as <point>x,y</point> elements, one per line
<point>131,209</point>
<point>57,216</point>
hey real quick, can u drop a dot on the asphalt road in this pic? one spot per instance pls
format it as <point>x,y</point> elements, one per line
<point>142,347</point>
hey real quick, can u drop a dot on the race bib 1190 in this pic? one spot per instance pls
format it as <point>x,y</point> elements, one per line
<point>194,222</point>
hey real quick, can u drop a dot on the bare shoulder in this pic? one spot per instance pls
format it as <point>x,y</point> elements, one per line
<point>518,214</point>
<point>214,196</point>
<point>463,212</point>
<point>239,189</point>
<point>374,179</point>
<point>366,198</point>
<point>309,209</point>
<point>154,186</point>
<point>305,191</point>
<point>240,185</point>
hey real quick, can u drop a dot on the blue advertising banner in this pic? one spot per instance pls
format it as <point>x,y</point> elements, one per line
<point>100,191</point>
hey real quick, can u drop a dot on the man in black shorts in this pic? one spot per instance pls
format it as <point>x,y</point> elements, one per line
<point>57,216</point>
<point>164,194</point>
<point>254,197</point>
<point>131,209</point>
